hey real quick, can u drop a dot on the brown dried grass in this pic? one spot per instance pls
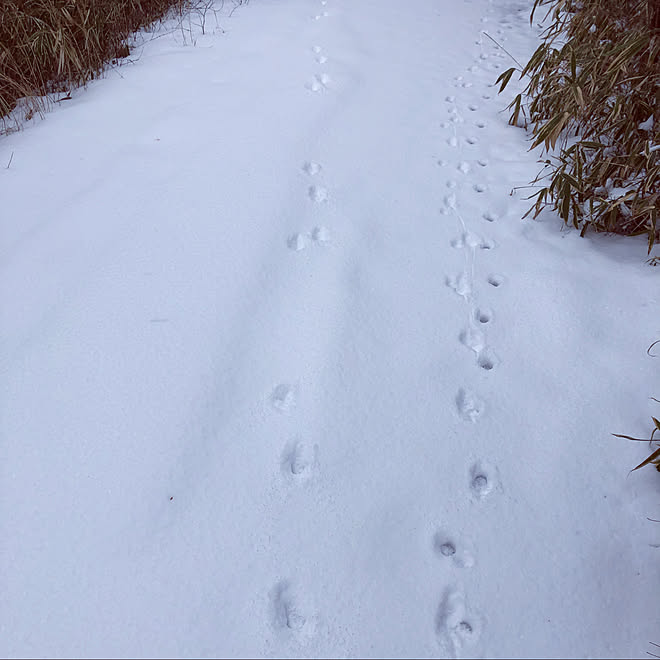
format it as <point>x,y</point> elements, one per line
<point>594,92</point>
<point>51,46</point>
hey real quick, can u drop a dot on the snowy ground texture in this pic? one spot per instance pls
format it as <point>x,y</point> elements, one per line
<point>283,372</point>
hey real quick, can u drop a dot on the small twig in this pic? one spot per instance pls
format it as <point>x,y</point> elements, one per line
<point>515,189</point>
<point>648,350</point>
<point>658,521</point>
<point>10,159</point>
<point>505,50</point>
<point>237,4</point>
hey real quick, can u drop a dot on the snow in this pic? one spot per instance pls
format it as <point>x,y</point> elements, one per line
<point>284,373</point>
<point>647,125</point>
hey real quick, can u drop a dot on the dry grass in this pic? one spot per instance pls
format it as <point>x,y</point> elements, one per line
<point>593,91</point>
<point>49,46</point>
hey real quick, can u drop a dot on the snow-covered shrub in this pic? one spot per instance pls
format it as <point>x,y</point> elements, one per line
<point>594,92</point>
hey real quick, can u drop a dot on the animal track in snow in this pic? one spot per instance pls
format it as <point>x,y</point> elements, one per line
<point>298,461</point>
<point>321,59</point>
<point>452,141</point>
<point>460,284</point>
<point>489,216</point>
<point>451,184</point>
<point>450,201</point>
<point>283,397</point>
<point>483,316</point>
<point>296,242</point>
<point>469,406</point>
<point>318,194</point>
<point>319,82</point>
<point>480,124</point>
<point>482,479</point>
<point>487,360</point>
<point>495,280</point>
<point>445,545</point>
<point>288,613</point>
<point>473,107</point>
<point>470,240</point>
<point>454,627</point>
<point>480,187</point>
<point>471,139</point>
<point>474,340</point>
<point>483,162</point>
<point>464,167</point>
<point>317,49</point>
<point>311,168</point>
<point>321,235</point>
<point>445,548</point>
<point>467,239</point>
<point>450,99</point>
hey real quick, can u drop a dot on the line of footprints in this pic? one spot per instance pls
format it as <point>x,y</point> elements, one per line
<point>320,81</point>
<point>456,625</point>
<point>299,461</point>
<point>291,613</point>
<point>319,235</point>
<point>473,336</point>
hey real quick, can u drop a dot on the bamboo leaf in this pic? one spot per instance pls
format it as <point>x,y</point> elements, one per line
<point>504,78</point>
<point>648,459</point>
<point>627,437</point>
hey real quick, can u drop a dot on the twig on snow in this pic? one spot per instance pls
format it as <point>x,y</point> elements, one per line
<point>499,45</point>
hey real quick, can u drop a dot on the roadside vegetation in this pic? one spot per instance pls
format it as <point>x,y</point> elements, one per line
<point>592,101</point>
<point>49,47</point>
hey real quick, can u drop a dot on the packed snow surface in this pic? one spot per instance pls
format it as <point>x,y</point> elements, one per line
<point>284,373</point>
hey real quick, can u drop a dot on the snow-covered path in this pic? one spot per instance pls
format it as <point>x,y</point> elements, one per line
<point>283,373</point>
